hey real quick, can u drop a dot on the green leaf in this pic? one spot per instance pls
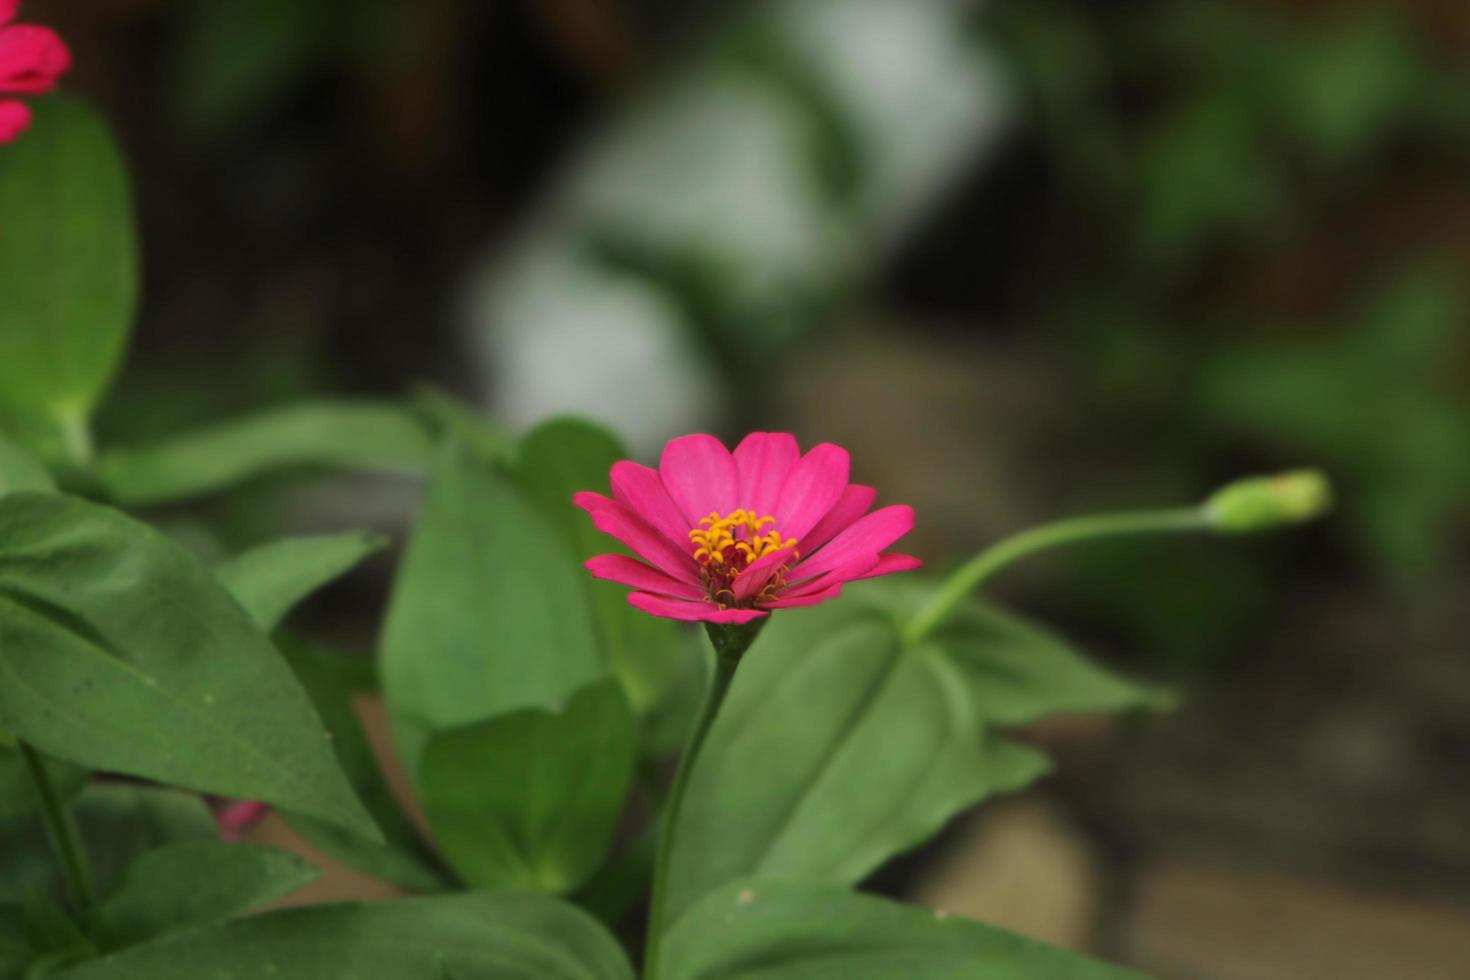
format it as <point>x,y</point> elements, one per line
<point>55,938</point>
<point>68,266</point>
<point>531,799</point>
<point>557,460</point>
<point>268,580</point>
<point>474,936</point>
<point>196,883</point>
<point>803,931</point>
<point>19,470</point>
<point>116,823</point>
<point>403,859</point>
<point>18,789</point>
<point>452,418</point>
<point>486,616</point>
<point>333,434</point>
<point>1019,671</point>
<point>121,651</point>
<point>836,749</point>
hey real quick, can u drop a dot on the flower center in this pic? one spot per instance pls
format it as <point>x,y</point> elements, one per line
<point>727,545</point>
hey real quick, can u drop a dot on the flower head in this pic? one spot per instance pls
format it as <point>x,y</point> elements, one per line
<point>725,538</point>
<point>31,59</point>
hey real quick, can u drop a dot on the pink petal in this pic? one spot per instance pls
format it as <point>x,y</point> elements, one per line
<point>8,10</point>
<point>646,542</point>
<point>699,474</point>
<point>691,612</point>
<point>31,58</point>
<point>639,489</point>
<point>855,569</point>
<point>854,503</point>
<point>630,571</point>
<point>867,536</point>
<point>752,579</point>
<point>15,118</point>
<point>810,599</point>
<point>891,563</point>
<point>764,461</point>
<point>593,502</point>
<point>815,484</point>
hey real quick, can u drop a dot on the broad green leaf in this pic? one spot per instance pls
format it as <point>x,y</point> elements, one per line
<point>403,859</point>
<point>1018,671</point>
<point>121,651</point>
<point>268,580</point>
<point>473,936</point>
<point>116,823</point>
<point>332,434</point>
<point>486,614</point>
<point>836,749</point>
<point>557,460</point>
<point>195,883</point>
<point>531,799</point>
<point>19,470</point>
<point>802,931</point>
<point>68,266</point>
<point>18,788</point>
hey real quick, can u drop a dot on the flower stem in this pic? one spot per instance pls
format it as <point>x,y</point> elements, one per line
<point>970,575</point>
<point>61,829</point>
<point>730,643</point>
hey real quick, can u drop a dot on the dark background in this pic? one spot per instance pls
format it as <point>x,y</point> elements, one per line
<point>1025,258</point>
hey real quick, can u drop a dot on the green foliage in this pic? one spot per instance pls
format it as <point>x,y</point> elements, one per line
<point>19,470</point>
<point>865,747</point>
<point>1373,403</point>
<point>269,579</point>
<point>1018,672</point>
<point>530,799</point>
<point>195,883</point>
<point>52,939</point>
<point>401,857</point>
<point>237,59</point>
<point>18,789</point>
<point>121,651</point>
<point>800,931</point>
<point>555,461</point>
<point>474,936</point>
<point>332,434</point>
<point>68,269</point>
<point>117,823</point>
<point>486,614</point>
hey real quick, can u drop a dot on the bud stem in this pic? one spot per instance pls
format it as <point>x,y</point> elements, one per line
<point>970,575</point>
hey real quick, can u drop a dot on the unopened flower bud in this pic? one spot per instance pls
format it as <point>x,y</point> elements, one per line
<point>1265,502</point>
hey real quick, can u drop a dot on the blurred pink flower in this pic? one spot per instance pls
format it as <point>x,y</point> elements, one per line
<point>727,537</point>
<point>238,817</point>
<point>31,59</point>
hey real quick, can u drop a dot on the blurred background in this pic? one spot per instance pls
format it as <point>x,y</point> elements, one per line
<point>1025,258</point>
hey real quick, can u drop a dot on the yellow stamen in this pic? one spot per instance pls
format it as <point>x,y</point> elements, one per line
<point>725,546</point>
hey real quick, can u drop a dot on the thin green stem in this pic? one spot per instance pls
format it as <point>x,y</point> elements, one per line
<point>730,644</point>
<point>61,829</point>
<point>968,577</point>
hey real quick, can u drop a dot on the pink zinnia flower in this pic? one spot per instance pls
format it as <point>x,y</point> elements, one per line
<point>31,59</point>
<point>727,537</point>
